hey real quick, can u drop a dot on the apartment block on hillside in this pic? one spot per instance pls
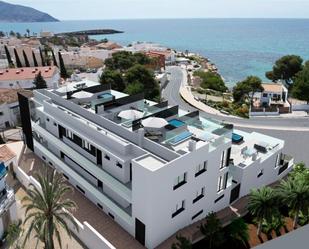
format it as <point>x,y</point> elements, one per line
<point>151,167</point>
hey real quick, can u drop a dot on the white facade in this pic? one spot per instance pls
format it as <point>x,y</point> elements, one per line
<point>9,114</point>
<point>151,182</point>
<point>8,207</point>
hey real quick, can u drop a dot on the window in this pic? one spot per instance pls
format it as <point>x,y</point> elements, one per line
<point>261,173</point>
<point>180,180</point>
<point>55,124</point>
<point>219,198</point>
<point>65,176</point>
<point>50,163</point>
<point>199,195</point>
<point>200,169</point>
<point>119,165</point>
<point>69,134</point>
<point>223,160</point>
<point>113,217</point>
<point>278,160</point>
<point>47,119</point>
<point>99,205</point>
<point>197,214</point>
<point>179,208</point>
<point>1,113</point>
<point>265,95</point>
<point>107,157</point>
<point>220,184</point>
<point>80,189</point>
<point>44,158</point>
<point>86,145</point>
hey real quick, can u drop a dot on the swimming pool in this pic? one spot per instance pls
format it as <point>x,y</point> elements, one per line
<point>105,96</point>
<point>176,123</point>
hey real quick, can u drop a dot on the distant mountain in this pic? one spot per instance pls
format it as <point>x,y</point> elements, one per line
<point>18,13</point>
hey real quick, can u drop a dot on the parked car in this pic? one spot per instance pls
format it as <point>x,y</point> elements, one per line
<point>94,70</point>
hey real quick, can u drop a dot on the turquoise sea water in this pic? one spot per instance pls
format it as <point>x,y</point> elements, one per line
<point>239,47</point>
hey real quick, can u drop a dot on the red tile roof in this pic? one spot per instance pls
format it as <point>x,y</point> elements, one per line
<point>26,73</point>
<point>6,154</point>
<point>10,95</point>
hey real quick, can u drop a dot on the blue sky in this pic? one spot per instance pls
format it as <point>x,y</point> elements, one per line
<point>127,9</point>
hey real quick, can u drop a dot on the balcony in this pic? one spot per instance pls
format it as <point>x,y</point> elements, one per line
<point>123,213</point>
<point>121,189</point>
<point>286,162</point>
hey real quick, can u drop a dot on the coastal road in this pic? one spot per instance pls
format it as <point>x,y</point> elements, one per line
<point>295,131</point>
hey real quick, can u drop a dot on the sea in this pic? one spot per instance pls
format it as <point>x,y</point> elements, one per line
<point>239,47</point>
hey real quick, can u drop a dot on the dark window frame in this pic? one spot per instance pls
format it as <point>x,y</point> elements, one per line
<point>200,196</point>
<point>219,198</point>
<point>197,214</point>
<point>179,210</point>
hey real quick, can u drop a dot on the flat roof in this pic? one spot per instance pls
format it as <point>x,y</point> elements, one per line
<point>151,162</point>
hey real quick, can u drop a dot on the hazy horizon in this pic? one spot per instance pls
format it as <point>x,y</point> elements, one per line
<point>170,9</point>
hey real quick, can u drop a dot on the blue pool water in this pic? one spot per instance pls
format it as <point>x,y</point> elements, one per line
<point>176,123</point>
<point>236,138</point>
<point>239,47</point>
<point>181,137</point>
<point>105,96</point>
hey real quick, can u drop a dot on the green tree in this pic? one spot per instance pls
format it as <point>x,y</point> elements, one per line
<point>300,88</point>
<point>27,64</point>
<point>212,230</point>
<point>8,56</point>
<point>17,60</point>
<point>114,78</point>
<point>1,140</point>
<point>182,243</point>
<point>18,35</point>
<point>300,171</point>
<point>35,62</point>
<point>247,88</point>
<point>238,231</point>
<point>140,75</point>
<point>285,68</point>
<point>45,210</point>
<point>42,58</point>
<point>262,205</point>
<point>211,81</point>
<point>2,34</point>
<point>63,71</point>
<point>28,32</point>
<point>13,234</point>
<point>295,193</point>
<point>12,33</point>
<point>134,88</point>
<point>122,61</point>
<point>54,58</point>
<point>39,81</point>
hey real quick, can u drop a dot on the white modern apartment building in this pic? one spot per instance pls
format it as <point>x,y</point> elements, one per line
<point>152,167</point>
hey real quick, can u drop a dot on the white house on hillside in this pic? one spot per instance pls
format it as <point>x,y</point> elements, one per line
<point>22,78</point>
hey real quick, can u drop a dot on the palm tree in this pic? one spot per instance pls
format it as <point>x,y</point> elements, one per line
<point>295,193</point>
<point>212,230</point>
<point>182,243</point>
<point>262,205</point>
<point>47,209</point>
<point>238,231</point>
